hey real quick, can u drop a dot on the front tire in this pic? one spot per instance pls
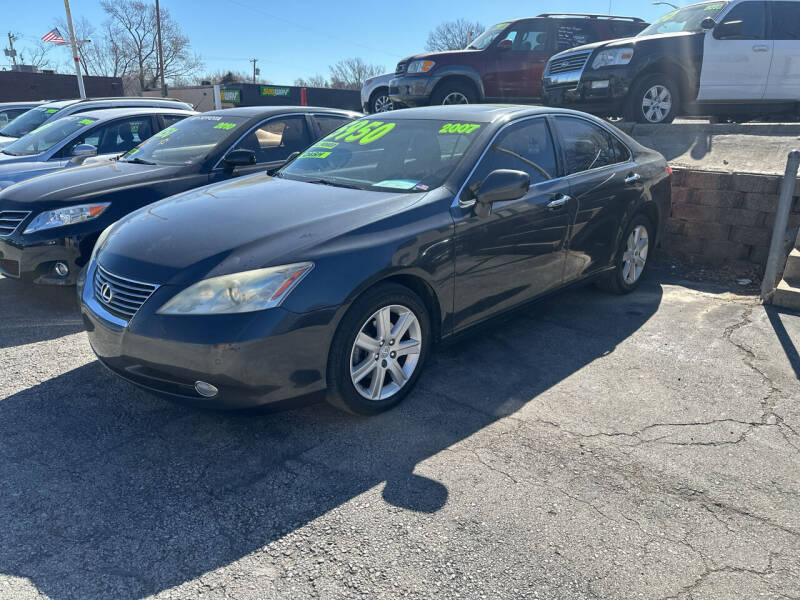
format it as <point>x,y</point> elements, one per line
<point>379,350</point>
<point>655,99</point>
<point>380,101</point>
<point>633,258</point>
<point>453,93</point>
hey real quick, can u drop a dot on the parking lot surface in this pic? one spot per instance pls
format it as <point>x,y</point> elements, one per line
<point>589,447</point>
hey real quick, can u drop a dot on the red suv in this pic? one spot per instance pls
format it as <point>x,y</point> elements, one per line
<point>503,64</point>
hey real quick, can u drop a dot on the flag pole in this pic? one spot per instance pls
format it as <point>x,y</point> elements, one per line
<point>75,56</point>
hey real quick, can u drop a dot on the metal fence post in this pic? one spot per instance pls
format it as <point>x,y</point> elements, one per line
<point>779,229</point>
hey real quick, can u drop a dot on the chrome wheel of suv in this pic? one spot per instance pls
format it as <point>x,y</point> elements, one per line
<point>382,103</point>
<point>455,98</point>
<point>656,104</point>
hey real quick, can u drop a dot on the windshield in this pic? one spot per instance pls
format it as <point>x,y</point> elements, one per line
<point>685,19</point>
<point>28,121</point>
<point>186,142</point>
<point>398,155</point>
<point>487,37</point>
<point>48,135</point>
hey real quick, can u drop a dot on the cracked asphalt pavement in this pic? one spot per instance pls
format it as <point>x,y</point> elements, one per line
<point>589,447</point>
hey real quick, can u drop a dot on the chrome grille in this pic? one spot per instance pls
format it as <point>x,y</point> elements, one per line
<point>571,62</point>
<point>120,296</point>
<point>10,220</point>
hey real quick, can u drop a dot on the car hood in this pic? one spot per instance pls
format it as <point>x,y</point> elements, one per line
<point>5,140</point>
<point>438,55</point>
<point>9,159</point>
<point>631,41</point>
<point>70,186</point>
<point>20,171</point>
<point>244,224</point>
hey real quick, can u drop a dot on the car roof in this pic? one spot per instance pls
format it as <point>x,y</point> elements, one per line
<point>112,113</point>
<point>484,113</point>
<point>113,101</point>
<point>21,104</point>
<point>267,111</point>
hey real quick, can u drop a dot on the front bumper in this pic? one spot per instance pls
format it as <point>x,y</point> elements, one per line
<point>600,92</point>
<point>253,359</point>
<point>412,90</point>
<point>35,262</point>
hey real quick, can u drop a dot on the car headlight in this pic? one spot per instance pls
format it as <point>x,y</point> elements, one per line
<point>239,292</point>
<point>66,216</point>
<point>420,66</point>
<point>613,57</point>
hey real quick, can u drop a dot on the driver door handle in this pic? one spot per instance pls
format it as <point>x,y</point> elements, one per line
<point>558,202</point>
<point>633,178</point>
<point>760,48</point>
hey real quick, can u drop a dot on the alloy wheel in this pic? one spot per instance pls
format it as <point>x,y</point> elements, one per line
<point>634,258</point>
<point>657,103</point>
<point>386,352</point>
<point>383,104</point>
<point>455,98</point>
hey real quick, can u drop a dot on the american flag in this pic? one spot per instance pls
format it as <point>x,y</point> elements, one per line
<point>54,36</point>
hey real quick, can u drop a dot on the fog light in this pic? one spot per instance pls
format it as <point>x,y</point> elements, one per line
<point>206,390</point>
<point>599,85</point>
<point>61,269</point>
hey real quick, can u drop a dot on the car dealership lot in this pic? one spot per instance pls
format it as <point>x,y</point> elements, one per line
<point>592,446</point>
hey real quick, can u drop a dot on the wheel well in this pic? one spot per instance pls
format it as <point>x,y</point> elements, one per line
<point>376,90</point>
<point>420,287</point>
<point>650,210</point>
<point>457,80</point>
<point>671,70</point>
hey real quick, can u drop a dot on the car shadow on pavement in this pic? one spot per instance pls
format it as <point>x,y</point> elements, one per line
<point>34,313</point>
<point>774,314</point>
<point>108,492</point>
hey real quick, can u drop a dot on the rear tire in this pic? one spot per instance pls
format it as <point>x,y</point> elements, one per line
<point>633,254</point>
<point>384,337</point>
<point>453,93</point>
<point>655,99</point>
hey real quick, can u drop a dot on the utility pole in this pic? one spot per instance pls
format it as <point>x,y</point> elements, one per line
<point>75,57</point>
<point>254,61</point>
<point>11,52</point>
<point>160,50</point>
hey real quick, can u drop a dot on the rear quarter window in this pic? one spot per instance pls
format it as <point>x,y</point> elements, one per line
<point>570,34</point>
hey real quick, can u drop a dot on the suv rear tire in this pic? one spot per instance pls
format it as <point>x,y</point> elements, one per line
<point>453,93</point>
<point>654,99</point>
<point>380,101</point>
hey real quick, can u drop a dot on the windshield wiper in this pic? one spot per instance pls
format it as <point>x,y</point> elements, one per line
<point>333,183</point>
<point>9,153</point>
<point>138,161</point>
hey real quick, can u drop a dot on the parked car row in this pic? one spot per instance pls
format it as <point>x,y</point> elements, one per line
<point>737,59</point>
<point>248,256</point>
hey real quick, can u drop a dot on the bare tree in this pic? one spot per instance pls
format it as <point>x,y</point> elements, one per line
<point>350,73</point>
<point>224,77</point>
<point>317,81</point>
<point>37,55</point>
<point>453,35</point>
<point>131,28</point>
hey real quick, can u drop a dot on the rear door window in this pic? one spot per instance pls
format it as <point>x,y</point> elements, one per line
<point>785,21</point>
<point>574,33</point>
<point>328,123</point>
<point>588,146</point>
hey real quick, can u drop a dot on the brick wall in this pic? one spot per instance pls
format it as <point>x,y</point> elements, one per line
<point>723,218</point>
<point>51,86</point>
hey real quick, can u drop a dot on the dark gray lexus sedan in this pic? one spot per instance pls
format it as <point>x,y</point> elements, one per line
<point>341,271</point>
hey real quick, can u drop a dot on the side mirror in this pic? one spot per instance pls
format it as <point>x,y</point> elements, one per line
<point>501,185</point>
<point>289,159</point>
<point>239,158</point>
<point>708,23</point>
<point>504,46</point>
<point>728,30</point>
<point>84,150</point>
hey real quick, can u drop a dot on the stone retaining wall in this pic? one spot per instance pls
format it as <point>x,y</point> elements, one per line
<point>723,218</point>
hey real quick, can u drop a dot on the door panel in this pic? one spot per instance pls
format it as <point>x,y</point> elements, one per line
<point>520,67</point>
<point>737,67</point>
<point>784,76</point>
<point>517,252</point>
<point>598,165</point>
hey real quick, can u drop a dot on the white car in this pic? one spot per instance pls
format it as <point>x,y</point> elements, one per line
<point>375,94</point>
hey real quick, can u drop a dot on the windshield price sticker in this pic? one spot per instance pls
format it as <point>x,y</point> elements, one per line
<point>459,128</point>
<point>50,111</point>
<point>363,132</point>
<point>224,125</point>
<point>713,7</point>
<point>315,154</point>
<point>167,132</point>
<point>87,121</point>
<point>327,145</point>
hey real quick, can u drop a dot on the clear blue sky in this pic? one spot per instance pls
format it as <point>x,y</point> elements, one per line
<point>299,39</point>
